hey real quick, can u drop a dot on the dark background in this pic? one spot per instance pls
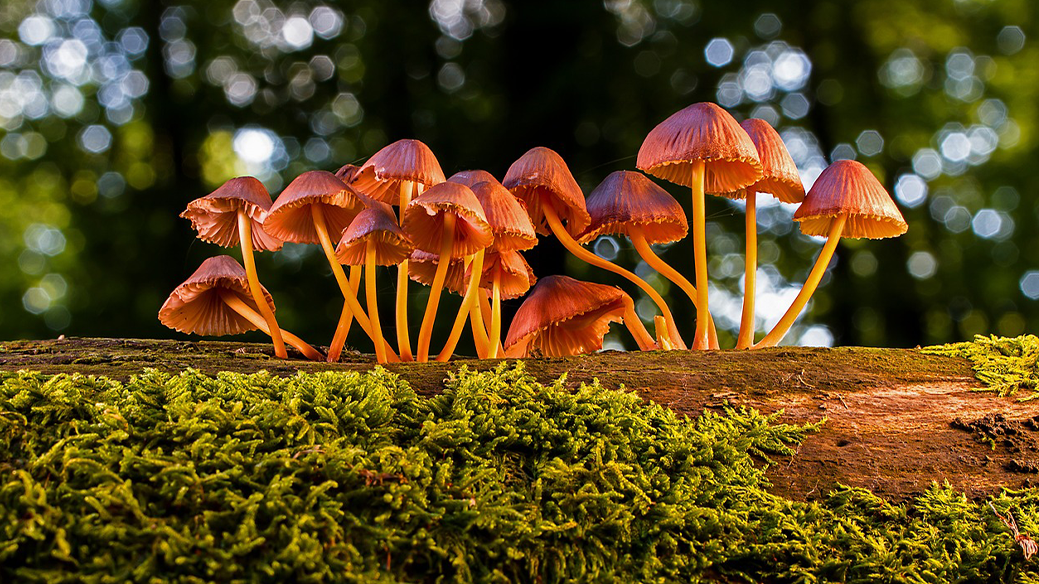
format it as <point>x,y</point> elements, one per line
<point>115,113</point>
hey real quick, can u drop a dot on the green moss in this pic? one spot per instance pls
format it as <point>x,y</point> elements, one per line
<point>1005,365</point>
<point>330,477</point>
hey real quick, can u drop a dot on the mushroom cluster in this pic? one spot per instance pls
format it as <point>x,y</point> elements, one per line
<point>466,234</point>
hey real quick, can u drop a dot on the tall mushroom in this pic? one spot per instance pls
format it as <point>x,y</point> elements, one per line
<point>845,201</point>
<point>315,207</point>
<point>216,300</point>
<point>701,147</point>
<point>563,316</point>
<point>233,215</point>
<point>779,179</point>
<point>374,238</point>
<point>541,179</point>
<point>395,175</point>
<point>449,221</point>
<point>627,203</point>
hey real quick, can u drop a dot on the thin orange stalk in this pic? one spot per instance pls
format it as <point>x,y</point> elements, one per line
<point>495,333</point>
<point>465,312</point>
<point>750,270</point>
<point>373,304</point>
<point>403,338</point>
<point>699,252</point>
<point>346,319</point>
<point>235,303</point>
<point>447,245</point>
<point>245,238</point>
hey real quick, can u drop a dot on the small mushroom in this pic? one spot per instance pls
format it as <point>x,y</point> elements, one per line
<point>471,178</point>
<point>233,215</point>
<point>845,201</point>
<point>216,300</point>
<point>701,147</point>
<point>563,316</point>
<point>541,179</point>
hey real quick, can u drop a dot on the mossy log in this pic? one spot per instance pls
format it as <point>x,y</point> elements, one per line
<point>897,419</point>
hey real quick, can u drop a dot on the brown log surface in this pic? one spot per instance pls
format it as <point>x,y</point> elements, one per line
<point>891,413</point>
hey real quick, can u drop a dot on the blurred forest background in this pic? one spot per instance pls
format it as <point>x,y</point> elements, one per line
<point>115,113</point>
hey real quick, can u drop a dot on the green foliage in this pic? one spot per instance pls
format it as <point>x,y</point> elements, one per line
<point>352,477</point>
<point>1004,365</point>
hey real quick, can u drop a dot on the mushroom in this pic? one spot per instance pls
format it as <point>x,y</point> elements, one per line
<point>449,221</point>
<point>471,178</point>
<point>563,316</point>
<point>374,238</point>
<point>541,179</point>
<point>779,179</point>
<point>628,203</point>
<point>216,300</point>
<point>313,206</point>
<point>233,215</point>
<point>845,201</point>
<point>701,147</point>
<point>395,175</point>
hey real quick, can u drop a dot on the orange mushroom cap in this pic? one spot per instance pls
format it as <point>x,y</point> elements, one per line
<point>702,131</point>
<point>403,161</point>
<point>541,177</point>
<point>195,306</point>
<point>290,218</point>
<point>392,246</point>
<point>563,316</point>
<point>424,219</point>
<point>471,178</point>
<point>779,173</point>
<point>347,172</point>
<point>422,267</point>
<point>848,187</point>
<point>626,201</point>
<point>215,216</point>
<point>506,216</point>
<point>516,274</point>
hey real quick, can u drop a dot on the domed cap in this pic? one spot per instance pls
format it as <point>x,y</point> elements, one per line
<point>515,274</point>
<point>392,246</point>
<point>422,267</point>
<point>779,173</point>
<point>195,306</point>
<point>628,201</point>
<point>402,161</point>
<point>215,216</point>
<point>471,178</point>
<point>290,218</point>
<point>424,219</point>
<point>702,131</point>
<point>540,177</point>
<point>563,316</point>
<point>847,187</point>
<point>347,172</point>
<point>506,216</point>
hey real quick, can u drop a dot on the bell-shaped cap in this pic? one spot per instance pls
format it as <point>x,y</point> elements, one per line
<point>847,187</point>
<point>563,316</point>
<point>196,307</point>
<point>215,216</point>
<point>422,267</point>
<point>471,178</point>
<point>514,273</point>
<point>347,172</point>
<point>403,161</point>
<point>379,227</point>
<point>779,176</point>
<point>290,218</point>
<point>424,219</point>
<point>540,177</point>
<point>507,217</point>
<point>626,202</point>
<point>702,131</point>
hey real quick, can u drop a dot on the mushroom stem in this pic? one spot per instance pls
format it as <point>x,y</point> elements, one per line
<point>660,328</point>
<point>746,336</point>
<point>245,237</point>
<point>776,334</point>
<point>665,269</point>
<point>479,320</point>
<point>699,251</point>
<point>346,319</point>
<point>403,338</point>
<point>236,304</point>
<point>488,316</point>
<point>373,304</point>
<point>447,245</point>
<point>344,284</point>
<point>495,334</point>
<point>467,311</point>
<point>575,248</point>
<point>637,329</point>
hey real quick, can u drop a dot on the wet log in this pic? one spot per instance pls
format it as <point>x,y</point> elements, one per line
<point>896,419</point>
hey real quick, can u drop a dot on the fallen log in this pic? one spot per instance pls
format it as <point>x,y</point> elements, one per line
<point>897,419</point>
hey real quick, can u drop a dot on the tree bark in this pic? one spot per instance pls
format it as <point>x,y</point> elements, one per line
<point>896,419</point>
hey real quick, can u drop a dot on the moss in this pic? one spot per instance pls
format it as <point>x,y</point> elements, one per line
<point>1005,365</point>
